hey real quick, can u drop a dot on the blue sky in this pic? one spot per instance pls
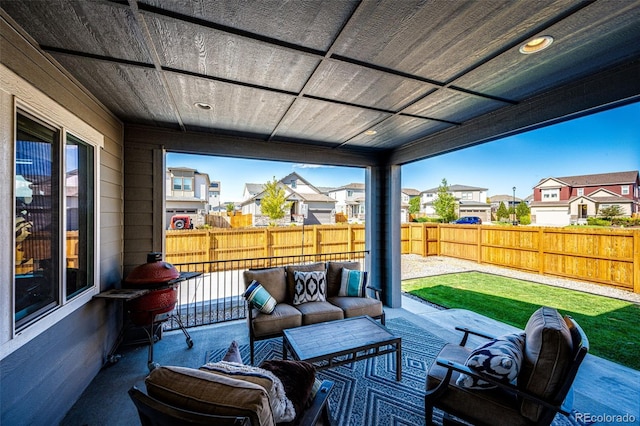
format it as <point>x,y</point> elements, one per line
<point>604,142</point>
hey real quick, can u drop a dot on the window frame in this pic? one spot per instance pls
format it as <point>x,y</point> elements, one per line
<point>27,100</point>
<point>624,190</point>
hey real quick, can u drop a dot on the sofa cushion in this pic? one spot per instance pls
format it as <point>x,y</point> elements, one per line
<point>272,279</point>
<point>281,407</point>
<point>310,287</point>
<point>499,358</point>
<point>315,312</point>
<point>357,306</point>
<point>334,275</point>
<point>547,355</point>
<point>353,283</point>
<point>207,393</point>
<point>290,277</point>
<point>260,297</point>
<point>283,316</point>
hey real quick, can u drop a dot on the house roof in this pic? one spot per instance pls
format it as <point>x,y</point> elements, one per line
<point>502,197</point>
<point>411,192</point>
<point>353,185</point>
<point>600,179</point>
<point>346,82</point>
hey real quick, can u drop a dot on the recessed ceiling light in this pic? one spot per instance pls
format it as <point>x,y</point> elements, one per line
<point>536,45</point>
<point>370,132</point>
<point>203,105</point>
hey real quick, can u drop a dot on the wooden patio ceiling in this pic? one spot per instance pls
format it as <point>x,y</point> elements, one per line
<point>393,80</point>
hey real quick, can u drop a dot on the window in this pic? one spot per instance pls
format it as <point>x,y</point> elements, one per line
<point>466,195</point>
<point>182,184</point>
<point>580,192</point>
<point>624,190</point>
<point>187,184</point>
<point>550,194</point>
<point>177,184</point>
<point>294,183</point>
<point>349,193</point>
<point>54,218</point>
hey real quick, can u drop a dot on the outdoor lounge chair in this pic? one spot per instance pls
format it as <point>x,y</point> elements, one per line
<point>553,350</point>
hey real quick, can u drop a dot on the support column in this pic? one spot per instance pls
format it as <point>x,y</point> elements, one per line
<point>382,229</point>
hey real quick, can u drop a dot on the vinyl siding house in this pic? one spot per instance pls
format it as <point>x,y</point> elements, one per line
<point>308,205</point>
<point>350,201</point>
<point>407,195</point>
<point>187,193</point>
<point>472,201</point>
<point>561,201</point>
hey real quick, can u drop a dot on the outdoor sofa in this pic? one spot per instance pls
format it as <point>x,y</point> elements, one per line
<point>292,304</point>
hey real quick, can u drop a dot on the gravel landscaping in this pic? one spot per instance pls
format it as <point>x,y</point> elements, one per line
<point>415,266</point>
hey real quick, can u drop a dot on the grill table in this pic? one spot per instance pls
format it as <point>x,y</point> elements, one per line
<point>333,343</point>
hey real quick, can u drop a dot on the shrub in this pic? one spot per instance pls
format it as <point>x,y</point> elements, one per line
<point>595,221</point>
<point>525,220</point>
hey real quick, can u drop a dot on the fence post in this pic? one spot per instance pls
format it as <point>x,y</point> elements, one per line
<point>425,240</point>
<point>541,250</point>
<point>479,240</point>
<point>636,261</point>
<point>350,243</point>
<point>266,243</point>
<point>316,240</point>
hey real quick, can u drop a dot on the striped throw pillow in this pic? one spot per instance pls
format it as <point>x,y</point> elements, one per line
<point>260,297</point>
<point>353,283</point>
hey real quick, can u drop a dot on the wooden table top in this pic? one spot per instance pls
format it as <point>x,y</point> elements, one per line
<point>327,338</point>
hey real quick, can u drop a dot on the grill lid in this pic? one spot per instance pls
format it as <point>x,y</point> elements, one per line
<point>155,271</point>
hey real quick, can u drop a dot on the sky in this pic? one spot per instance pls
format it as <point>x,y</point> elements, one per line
<point>603,142</point>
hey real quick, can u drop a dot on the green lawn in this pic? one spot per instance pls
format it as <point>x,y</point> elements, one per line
<point>612,325</point>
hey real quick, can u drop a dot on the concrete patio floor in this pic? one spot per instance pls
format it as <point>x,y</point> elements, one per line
<point>602,388</point>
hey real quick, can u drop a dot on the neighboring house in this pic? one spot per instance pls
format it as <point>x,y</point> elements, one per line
<point>350,201</point>
<point>472,201</point>
<point>187,193</point>
<point>215,202</point>
<point>508,201</point>
<point>407,195</point>
<point>309,206</point>
<point>572,199</point>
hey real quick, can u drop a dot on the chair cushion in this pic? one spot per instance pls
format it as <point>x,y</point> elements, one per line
<point>272,279</point>
<point>548,354</point>
<point>315,312</point>
<point>283,316</point>
<point>260,297</point>
<point>357,306</point>
<point>499,358</point>
<point>207,393</point>
<point>310,287</point>
<point>334,275</point>
<point>491,406</point>
<point>291,279</point>
<point>281,407</point>
<point>353,283</point>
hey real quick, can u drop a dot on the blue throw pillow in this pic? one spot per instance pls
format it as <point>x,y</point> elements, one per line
<point>353,283</point>
<point>260,297</point>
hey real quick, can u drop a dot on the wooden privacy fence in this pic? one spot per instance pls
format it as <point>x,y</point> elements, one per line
<point>211,245</point>
<point>604,256</point>
<point>608,256</point>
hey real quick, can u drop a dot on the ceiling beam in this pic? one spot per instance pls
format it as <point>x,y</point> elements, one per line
<point>610,88</point>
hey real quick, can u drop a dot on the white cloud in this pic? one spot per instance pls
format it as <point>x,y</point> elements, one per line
<point>311,166</point>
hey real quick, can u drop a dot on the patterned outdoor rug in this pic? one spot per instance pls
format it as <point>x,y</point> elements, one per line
<point>366,392</point>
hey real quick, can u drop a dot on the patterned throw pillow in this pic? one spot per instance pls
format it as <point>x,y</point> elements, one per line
<point>260,297</point>
<point>352,283</point>
<point>500,358</point>
<point>310,287</point>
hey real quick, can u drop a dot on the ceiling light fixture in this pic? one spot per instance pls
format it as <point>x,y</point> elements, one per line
<point>370,132</point>
<point>536,45</point>
<point>203,106</point>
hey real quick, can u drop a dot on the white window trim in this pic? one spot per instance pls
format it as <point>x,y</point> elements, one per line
<point>30,100</point>
<point>624,190</point>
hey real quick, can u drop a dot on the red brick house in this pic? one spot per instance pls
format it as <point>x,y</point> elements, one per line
<point>572,199</point>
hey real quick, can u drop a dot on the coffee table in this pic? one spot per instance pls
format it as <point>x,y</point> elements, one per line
<point>333,343</point>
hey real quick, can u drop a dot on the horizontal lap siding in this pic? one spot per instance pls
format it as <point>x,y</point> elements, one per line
<point>42,379</point>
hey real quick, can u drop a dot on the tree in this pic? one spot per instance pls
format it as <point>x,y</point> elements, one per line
<point>414,205</point>
<point>502,212</point>
<point>445,204</point>
<point>230,207</point>
<point>274,204</point>
<point>610,212</point>
<point>522,210</point>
